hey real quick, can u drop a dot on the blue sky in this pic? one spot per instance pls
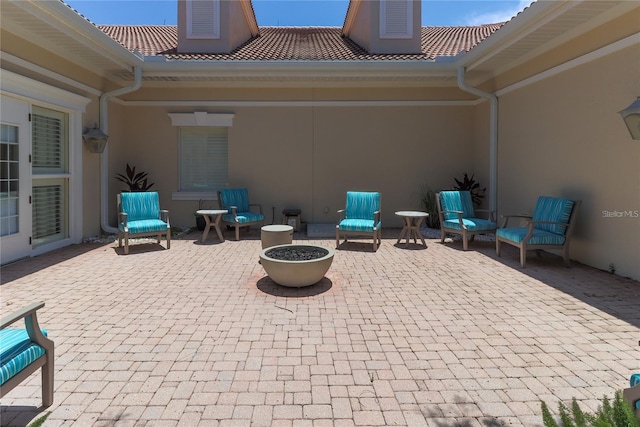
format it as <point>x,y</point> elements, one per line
<point>297,12</point>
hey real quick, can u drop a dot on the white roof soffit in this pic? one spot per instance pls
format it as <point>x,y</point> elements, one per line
<point>56,27</point>
<point>540,27</point>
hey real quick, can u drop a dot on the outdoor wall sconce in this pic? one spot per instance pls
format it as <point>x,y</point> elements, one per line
<point>631,117</point>
<point>95,139</point>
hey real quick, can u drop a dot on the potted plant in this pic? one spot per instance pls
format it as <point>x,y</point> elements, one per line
<point>135,181</point>
<point>200,222</point>
<point>470,184</point>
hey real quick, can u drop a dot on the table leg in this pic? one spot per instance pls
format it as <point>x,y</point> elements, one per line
<point>207,226</point>
<point>417,231</point>
<point>217,226</point>
<point>405,230</point>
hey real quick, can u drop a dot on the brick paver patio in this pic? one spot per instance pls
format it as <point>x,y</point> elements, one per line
<point>198,336</point>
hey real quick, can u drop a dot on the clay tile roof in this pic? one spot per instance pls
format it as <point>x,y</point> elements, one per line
<point>298,43</point>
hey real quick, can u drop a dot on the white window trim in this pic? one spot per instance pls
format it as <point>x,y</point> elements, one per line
<point>36,92</point>
<point>199,118</point>
<point>383,22</point>
<point>215,31</point>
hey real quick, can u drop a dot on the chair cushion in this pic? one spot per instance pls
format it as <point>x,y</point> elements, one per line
<point>359,225</point>
<point>362,205</point>
<point>552,209</point>
<point>472,224</point>
<point>17,351</point>
<point>635,382</point>
<point>539,237</point>
<point>145,226</point>
<point>457,201</point>
<point>243,217</point>
<point>140,205</point>
<point>238,197</point>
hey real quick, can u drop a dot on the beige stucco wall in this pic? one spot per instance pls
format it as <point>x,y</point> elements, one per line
<point>307,157</point>
<point>562,136</point>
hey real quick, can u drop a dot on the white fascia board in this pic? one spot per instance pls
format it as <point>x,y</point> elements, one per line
<point>602,18</point>
<point>527,21</point>
<point>66,20</point>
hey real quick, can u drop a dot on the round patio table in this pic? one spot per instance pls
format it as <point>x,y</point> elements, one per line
<point>411,228</point>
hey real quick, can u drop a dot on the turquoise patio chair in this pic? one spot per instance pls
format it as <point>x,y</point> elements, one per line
<point>550,227</point>
<point>632,394</point>
<point>139,215</point>
<point>236,201</point>
<point>25,350</point>
<point>458,216</point>
<point>361,216</point>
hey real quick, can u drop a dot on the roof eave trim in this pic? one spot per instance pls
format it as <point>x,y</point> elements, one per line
<point>74,25</point>
<point>527,21</point>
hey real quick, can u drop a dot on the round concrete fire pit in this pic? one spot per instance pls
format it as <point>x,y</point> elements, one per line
<point>295,265</point>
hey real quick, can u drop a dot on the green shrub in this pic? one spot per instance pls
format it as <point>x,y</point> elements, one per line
<point>618,414</point>
<point>428,202</point>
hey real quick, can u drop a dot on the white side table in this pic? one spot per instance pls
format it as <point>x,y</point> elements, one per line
<point>411,228</point>
<point>207,214</point>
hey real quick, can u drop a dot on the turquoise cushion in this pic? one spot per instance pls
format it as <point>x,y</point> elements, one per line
<point>359,225</point>
<point>140,205</point>
<point>472,224</point>
<point>243,217</point>
<point>457,201</point>
<point>635,382</point>
<point>539,237</point>
<point>362,205</point>
<point>17,351</point>
<point>552,209</point>
<point>238,197</point>
<point>145,226</point>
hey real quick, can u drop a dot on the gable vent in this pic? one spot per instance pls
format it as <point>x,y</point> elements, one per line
<point>203,19</point>
<point>396,19</point>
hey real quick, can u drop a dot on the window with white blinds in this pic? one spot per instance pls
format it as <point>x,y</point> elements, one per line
<point>396,19</point>
<point>49,136</point>
<point>203,159</point>
<point>50,175</point>
<point>49,204</point>
<point>203,19</point>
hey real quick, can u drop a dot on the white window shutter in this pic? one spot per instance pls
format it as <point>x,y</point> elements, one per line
<point>203,19</point>
<point>396,19</point>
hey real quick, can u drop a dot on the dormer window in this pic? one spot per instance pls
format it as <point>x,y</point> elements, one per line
<point>396,19</point>
<point>203,19</point>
